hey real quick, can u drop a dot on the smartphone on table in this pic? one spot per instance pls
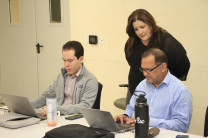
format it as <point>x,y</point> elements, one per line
<point>74,116</point>
<point>182,136</point>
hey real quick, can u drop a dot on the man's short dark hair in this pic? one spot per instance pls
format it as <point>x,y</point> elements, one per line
<point>76,46</point>
<point>159,55</point>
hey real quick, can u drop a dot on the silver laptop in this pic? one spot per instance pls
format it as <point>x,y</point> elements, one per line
<point>103,120</point>
<point>20,105</point>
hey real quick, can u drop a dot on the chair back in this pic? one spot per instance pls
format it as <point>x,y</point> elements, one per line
<point>206,123</point>
<point>97,101</point>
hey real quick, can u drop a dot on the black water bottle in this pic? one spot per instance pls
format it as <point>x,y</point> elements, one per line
<point>141,117</point>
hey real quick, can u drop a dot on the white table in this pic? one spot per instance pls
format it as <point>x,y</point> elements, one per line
<point>38,130</point>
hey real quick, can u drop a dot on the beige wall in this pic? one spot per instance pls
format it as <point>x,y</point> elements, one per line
<point>186,20</point>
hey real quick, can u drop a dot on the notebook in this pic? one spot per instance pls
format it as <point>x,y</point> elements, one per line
<point>103,120</point>
<point>20,105</point>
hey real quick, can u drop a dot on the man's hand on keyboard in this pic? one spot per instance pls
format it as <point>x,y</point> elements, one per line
<point>131,121</point>
<point>121,118</point>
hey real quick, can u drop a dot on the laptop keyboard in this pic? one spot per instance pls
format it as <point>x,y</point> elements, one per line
<point>124,126</point>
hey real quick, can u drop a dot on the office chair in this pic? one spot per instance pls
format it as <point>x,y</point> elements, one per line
<point>206,123</point>
<point>121,102</point>
<point>97,101</point>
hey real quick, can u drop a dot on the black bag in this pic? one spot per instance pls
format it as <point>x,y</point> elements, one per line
<point>78,131</point>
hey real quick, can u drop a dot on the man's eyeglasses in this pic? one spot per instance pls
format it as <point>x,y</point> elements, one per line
<point>149,70</point>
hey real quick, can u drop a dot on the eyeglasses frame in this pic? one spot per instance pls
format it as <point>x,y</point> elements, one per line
<point>148,71</point>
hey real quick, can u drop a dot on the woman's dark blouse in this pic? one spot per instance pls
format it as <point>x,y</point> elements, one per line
<point>178,62</point>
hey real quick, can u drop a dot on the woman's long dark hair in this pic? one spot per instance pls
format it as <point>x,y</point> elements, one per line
<point>146,17</point>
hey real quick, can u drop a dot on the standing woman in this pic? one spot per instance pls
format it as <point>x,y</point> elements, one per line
<point>144,34</point>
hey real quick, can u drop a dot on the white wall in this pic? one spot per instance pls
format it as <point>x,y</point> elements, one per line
<point>186,20</point>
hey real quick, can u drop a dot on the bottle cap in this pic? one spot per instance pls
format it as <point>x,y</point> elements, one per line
<point>51,94</point>
<point>141,99</point>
